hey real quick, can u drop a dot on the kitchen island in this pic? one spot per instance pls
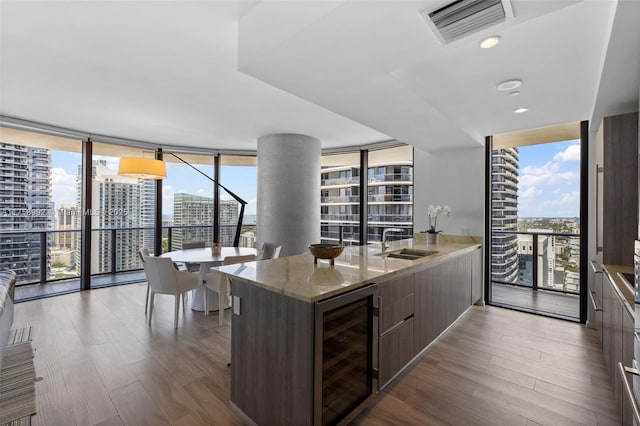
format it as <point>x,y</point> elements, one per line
<point>312,343</point>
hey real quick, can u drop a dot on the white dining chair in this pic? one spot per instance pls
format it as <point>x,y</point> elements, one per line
<point>192,244</point>
<point>258,245</point>
<point>164,278</point>
<point>218,282</point>
<point>186,245</point>
<point>270,251</point>
<point>143,253</point>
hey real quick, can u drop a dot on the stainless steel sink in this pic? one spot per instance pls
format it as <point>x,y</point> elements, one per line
<point>407,254</point>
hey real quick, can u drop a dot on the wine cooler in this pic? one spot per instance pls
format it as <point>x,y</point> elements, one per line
<point>345,345</point>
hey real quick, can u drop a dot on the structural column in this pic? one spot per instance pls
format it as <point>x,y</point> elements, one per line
<point>289,191</point>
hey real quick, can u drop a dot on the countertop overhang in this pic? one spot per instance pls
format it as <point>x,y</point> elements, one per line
<point>357,266</point>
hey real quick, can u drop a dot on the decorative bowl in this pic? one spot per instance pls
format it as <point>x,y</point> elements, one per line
<point>325,251</point>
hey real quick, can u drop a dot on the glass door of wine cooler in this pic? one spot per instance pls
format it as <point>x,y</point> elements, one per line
<point>345,346</point>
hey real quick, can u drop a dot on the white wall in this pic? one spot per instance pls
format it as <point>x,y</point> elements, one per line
<point>455,178</point>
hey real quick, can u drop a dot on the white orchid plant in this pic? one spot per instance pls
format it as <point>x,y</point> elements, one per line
<point>434,213</point>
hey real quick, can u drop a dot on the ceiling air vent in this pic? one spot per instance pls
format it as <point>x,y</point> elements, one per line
<point>464,17</point>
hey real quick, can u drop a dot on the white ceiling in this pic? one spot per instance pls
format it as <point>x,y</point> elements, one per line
<point>221,74</point>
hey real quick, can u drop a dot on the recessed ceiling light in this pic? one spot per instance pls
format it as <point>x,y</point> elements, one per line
<point>521,110</point>
<point>509,85</point>
<point>490,42</point>
<point>514,93</point>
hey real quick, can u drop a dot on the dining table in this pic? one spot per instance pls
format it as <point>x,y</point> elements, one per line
<point>206,259</point>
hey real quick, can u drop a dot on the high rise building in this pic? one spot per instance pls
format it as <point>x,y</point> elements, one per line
<point>390,196</point>
<point>546,254</point>
<point>65,219</point>
<point>504,215</point>
<point>192,210</point>
<point>148,212</point>
<point>116,204</point>
<point>25,205</point>
<point>229,215</point>
<point>196,210</point>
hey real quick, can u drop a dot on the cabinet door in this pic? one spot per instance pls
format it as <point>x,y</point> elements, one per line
<point>596,297</point>
<point>462,283</point>
<point>612,336</point>
<point>432,304</point>
<point>607,324</point>
<point>628,338</point>
<point>396,301</point>
<point>616,350</point>
<point>423,297</point>
<point>396,350</point>
<point>620,191</point>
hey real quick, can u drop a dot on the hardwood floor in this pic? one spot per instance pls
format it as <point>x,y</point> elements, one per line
<point>497,366</point>
<point>566,306</point>
<point>103,365</point>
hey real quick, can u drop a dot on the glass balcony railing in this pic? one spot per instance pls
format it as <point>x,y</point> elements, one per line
<point>340,199</point>
<point>44,256</point>
<point>349,234</point>
<point>541,260</point>
<point>379,198</point>
<point>372,198</point>
<point>351,180</point>
<point>391,177</point>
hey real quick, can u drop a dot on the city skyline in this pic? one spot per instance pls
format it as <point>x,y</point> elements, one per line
<point>180,179</point>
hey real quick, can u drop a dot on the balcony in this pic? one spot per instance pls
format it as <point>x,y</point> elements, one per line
<point>391,177</point>
<point>341,181</point>
<point>41,254</point>
<point>540,274</point>
<point>390,198</point>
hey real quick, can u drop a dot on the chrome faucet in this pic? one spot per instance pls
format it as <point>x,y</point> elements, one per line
<point>384,236</point>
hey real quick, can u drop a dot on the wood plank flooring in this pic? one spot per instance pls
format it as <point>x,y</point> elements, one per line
<point>497,366</point>
<point>560,305</point>
<point>103,365</point>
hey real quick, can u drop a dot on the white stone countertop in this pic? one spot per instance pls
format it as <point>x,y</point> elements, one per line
<point>357,266</point>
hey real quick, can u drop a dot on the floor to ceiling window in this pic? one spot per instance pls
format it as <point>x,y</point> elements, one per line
<point>238,174</point>
<point>38,236</point>
<point>535,244</point>
<point>390,187</point>
<point>122,213</point>
<point>187,200</point>
<point>388,195</point>
<point>340,198</point>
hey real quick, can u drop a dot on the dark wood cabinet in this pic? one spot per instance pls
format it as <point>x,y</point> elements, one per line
<point>619,199</point>
<point>296,362</point>
<point>628,338</point>
<point>424,329</point>
<point>596,298</point>
<point>396,350</point>
<point>617,342</point>
<point>395,301</point>
<point>442,293</point>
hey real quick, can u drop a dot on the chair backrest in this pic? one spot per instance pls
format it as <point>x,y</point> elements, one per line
<point>161,274</point>
<point>230,260</point>
<point>192,244</point>
<point>258,245</point>
<point>270,251</point>
<point>142,253</point>
<point>217,279</point>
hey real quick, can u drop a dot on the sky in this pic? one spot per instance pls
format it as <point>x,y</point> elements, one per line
<point>180,178</point>
<point>549,180</point>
